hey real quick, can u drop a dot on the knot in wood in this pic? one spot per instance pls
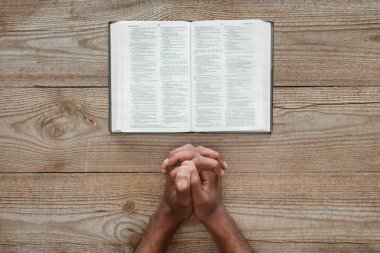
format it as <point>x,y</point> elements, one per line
<point>129,206</point>
<point>66,121</point>
<point>128,232</point>
<point>68,107</point>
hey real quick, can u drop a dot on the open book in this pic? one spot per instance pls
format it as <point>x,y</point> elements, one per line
<point>201,76</point>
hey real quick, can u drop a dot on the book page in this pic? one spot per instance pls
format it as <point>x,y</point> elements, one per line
<point>231,75</point>
<point>150,76</point>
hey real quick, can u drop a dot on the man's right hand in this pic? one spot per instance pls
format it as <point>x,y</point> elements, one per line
<point>208,208</point>
<point>206,194</point>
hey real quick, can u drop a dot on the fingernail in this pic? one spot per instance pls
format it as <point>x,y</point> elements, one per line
<point>222,173</point>
<point>225,164</point>
<point>182,184</point>
<point>163,171</point>
<point>164,163</point>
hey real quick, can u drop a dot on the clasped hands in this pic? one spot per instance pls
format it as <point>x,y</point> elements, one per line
<point>193,184</point>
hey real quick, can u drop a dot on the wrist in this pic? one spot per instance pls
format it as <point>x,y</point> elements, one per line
<point>220,223</point>
<point>214,218</point>
<point>225,233</point>
<point>159,232</point>
<point>168,219</point>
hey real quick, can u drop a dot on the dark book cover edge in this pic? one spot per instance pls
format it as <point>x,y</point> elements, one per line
<point>271,78</point>
<point>109,78</point>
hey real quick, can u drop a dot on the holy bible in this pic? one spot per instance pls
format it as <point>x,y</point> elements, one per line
<point>200,76</point>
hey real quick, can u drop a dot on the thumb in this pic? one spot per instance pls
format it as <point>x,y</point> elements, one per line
<point>196,188</point>
<point>182,186</point>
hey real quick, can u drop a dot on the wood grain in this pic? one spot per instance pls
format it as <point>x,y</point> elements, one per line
<point>66,130</point>
<point>313,185</point>
<point>65,42</point>
<point>99,212</point>
<point>190,245</point>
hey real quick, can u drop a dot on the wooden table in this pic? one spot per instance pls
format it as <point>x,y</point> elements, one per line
<point>67,185</point>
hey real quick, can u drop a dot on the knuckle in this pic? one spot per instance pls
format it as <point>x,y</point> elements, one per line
<point>188,145</point>
<point>199,149</point>
<point>187,163</point>
<point>171,155</point>
<point>200,159</point>
<point>193,153</point>
<point>172,173</point>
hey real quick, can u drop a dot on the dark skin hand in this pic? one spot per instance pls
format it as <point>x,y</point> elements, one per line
<point>193,190</point>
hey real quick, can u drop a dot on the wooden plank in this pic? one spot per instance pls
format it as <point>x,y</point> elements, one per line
<point>277,212</point>
<point>281,247</point>
<point>66,130</point>
<point>65,43</point>
<point>190,245</point>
